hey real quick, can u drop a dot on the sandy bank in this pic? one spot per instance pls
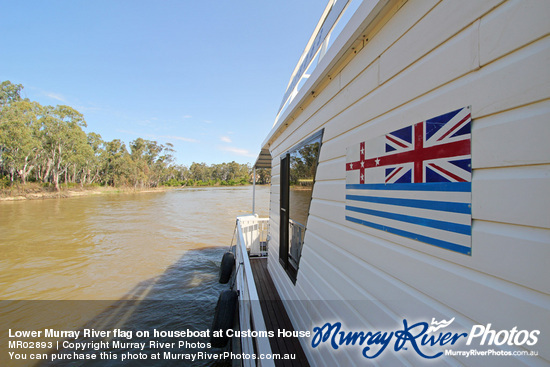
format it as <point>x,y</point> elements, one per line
<point>33,193</point>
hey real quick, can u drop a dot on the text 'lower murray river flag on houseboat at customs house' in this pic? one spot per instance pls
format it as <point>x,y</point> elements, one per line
<point>415,182</point>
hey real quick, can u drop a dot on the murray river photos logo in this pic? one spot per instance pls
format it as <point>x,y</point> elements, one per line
<point>419,337</point>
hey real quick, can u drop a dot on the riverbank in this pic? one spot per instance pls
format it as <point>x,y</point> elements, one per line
<point>33,191</point>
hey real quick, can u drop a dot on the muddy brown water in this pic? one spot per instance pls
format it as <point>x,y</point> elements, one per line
<point>130,262</point>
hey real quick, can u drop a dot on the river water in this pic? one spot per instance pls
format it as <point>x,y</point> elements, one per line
<point>131,261</point>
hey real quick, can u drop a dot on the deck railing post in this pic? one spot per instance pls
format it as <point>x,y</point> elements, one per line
<point>254,193</point>
<point>250,311</point>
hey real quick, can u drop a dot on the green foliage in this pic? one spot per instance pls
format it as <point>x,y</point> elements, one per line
<point>4,182</point>
<point>69,185</point>
<point>303,164</point>
<point>173,183</point>
<point>20,137</point>
<point>211,182</point>
<point>9,93</point>
<point>48,145</point>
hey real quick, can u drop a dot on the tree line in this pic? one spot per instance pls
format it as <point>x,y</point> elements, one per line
<point>47,144</point>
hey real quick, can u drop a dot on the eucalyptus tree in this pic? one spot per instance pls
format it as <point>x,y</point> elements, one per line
<point>163,164</point>
<point>263,176</point>
<point>200,171</point>
<point>180,172</point>
<point>62,135</point>
<point>92,167</point>
<point>141,162</point>
<point>150,162</point>
<point>116,163</point>
<point>77,154</point>
<point>19,137</point>
<point>9,93</point>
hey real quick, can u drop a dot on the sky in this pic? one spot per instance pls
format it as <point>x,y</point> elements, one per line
<point>207,76</point>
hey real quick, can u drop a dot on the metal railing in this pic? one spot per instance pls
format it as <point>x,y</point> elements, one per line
<point>249,233</point>
<point>255,234</point>
<point>296,233</point>
<point>334,18</point>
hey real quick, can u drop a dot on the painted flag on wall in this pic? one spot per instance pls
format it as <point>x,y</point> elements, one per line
<point>415,182</point>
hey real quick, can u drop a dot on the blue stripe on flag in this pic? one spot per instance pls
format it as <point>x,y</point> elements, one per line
<point>428,186</point>
<point>432,241</point>
<point>432,223</point>
<point>445,206</point>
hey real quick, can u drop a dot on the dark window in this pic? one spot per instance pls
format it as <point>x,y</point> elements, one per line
<point>298,168</point>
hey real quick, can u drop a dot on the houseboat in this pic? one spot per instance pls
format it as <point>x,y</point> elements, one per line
<point>409,214</point>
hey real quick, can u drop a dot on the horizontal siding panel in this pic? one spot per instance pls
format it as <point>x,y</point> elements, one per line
<point>331,170</point>
<point>282,282</point>
<point>313,125</point>
<point>409,14</point>
<point>500,250</point>
<point>276,150</point>
<point>274,205</point>
<point>511,26</point>
<point>275,166</point>
<point>275,181</point>
<point>453,59</point>
<point>433,277</point>
<point>511,138</point>
<point>507,83</point>
<point>301,309</point>
<point>306,123</point>
<point>336,148</point>
<point>322,98</point>
<point>390,300</point>
<point>519,80</point>
<point>327,276</point>
<point>273,251</point>
<point>506,251</point>
<point>346,306</point>
<point>297,132</point>
<point>329,210</point>
<point>363,84</point>
<point>330,190</point>
<point>451,16</point>
<point>516,195</point>
<point>373,294</point>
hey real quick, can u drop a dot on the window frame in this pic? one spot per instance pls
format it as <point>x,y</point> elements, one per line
<point>284,212</point>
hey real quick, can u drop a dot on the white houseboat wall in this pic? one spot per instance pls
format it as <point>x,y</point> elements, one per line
<point>475,72</point>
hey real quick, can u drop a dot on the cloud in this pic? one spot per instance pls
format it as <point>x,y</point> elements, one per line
<point>147,123</point>
<point>182,138</point>
<point>56,96</point>
<point>187,116</point>
<point>238,151</point>
<point>225,139</point>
